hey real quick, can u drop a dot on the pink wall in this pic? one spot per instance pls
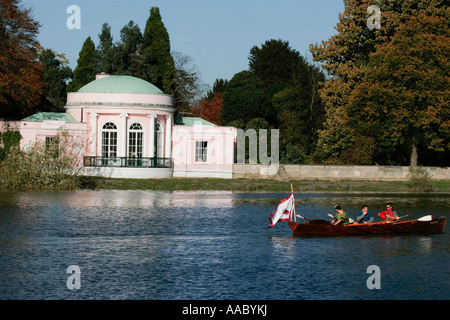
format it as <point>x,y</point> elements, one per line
<point>76,98</point>
<point>220,150</point>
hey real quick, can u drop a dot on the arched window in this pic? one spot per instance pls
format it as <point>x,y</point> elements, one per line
<point>109,140</point>
<point>135,141</point>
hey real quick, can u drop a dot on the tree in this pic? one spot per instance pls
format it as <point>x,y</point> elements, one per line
<point>188,88</point>
<point>219,86</point>
<point>127,53</point>
<point>212,103</point>
<point>343,55</point>
<point>55,73</point>
<point>244,98</point>
<point>156,52</point>
<point>21,83</point>
<point>105,50</point>
<point>405,93</point>
<point>347,57</point>
<point>211,109</point>
<point>277,65</point>
<point>294,125</point>
<point>124,57</point>
<point>87,66</point>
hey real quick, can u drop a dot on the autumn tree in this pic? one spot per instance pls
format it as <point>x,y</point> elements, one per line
<point>211,109</point>
<point>21,83</point>
<point>405,95</point>
<point>351,58</point>
<point>211,105</point>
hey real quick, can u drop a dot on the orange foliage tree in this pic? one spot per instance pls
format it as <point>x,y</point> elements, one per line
<point>359,58</point>
<point>21,83</point>
<point>210,109</point>
<point>404,98</point>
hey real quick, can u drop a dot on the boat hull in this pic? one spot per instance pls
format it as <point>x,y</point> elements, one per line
<point>322,228</point>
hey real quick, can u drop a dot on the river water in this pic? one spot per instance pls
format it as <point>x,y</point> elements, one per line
<point>210,245</point>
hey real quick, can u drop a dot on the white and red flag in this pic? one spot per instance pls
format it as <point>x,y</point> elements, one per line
<point>283,211</point>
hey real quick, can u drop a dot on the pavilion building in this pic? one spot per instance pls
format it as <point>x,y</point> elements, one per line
<point>128,129</point>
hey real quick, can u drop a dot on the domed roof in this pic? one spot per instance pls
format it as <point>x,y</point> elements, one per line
<point>120,84</point>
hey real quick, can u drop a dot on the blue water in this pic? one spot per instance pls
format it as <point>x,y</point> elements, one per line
<point>209,245</point>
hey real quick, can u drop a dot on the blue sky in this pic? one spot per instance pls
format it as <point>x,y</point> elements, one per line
<point>217,35</point>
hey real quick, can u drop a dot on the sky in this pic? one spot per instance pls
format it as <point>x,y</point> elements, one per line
<point>216,35</point>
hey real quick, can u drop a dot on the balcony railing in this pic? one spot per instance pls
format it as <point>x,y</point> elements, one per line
<point>127,162</point>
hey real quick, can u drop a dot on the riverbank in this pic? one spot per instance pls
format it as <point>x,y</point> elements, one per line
<point>263,185</point>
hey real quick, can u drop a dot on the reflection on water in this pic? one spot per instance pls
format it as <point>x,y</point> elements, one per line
<point>208,245</point>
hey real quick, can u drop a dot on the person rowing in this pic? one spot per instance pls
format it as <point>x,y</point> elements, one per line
<point>389,213</point>
<point>341,218</point>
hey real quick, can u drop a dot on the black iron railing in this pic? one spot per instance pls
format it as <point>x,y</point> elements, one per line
<point>127,162</point>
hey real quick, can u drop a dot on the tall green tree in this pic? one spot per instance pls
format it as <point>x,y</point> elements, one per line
<point>291,87</point>
<point>105,50</point>
<point>56,73</point>
<point>219,86</point>
<point>276,64</point>
<point>156,53</point>
<point>244,98</point>
<point>127,52</point>
<point>87,66</point>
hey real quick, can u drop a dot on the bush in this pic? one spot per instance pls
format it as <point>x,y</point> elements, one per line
<point>8,139</point>
<point>419,180</point>
<point>43,166</point>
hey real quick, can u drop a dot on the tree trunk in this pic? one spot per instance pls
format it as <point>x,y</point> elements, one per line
<point>414,156</point>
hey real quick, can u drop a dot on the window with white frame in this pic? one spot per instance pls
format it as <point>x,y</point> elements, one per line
<point>201,151</point>
<point>109,140</point>
<point>135,141</point>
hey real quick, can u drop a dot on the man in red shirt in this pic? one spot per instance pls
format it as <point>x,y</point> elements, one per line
<point>389,213</point>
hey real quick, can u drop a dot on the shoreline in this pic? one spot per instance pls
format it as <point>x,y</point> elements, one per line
<point>243,185</point>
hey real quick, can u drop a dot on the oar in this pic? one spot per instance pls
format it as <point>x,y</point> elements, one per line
<point>302,217</point>
<point>426,218</point>
<point>406,215</point>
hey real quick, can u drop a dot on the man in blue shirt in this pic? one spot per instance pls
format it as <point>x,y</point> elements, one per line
<point>365,216</point>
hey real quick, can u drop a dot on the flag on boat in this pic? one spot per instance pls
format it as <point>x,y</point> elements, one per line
<point>283,211</point>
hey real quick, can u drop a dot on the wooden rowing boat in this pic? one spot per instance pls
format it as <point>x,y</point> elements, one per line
<point>323,228</point>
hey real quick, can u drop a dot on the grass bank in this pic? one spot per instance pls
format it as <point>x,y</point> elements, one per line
<point>260,185</point>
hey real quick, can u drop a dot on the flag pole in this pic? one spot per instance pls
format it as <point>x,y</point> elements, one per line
<point>293,201</point>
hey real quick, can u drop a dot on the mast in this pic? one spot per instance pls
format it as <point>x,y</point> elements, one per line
<point>293,202</point>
